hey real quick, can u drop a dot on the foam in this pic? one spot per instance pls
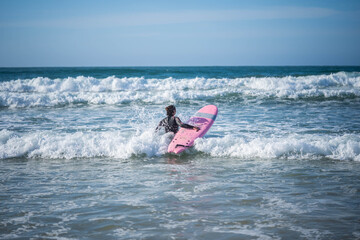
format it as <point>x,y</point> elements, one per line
<point>43,91</point>
<point>343,147</point>
<point>50,144</point>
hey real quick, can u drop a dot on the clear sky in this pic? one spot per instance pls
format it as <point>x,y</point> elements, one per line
<point>179,33</point>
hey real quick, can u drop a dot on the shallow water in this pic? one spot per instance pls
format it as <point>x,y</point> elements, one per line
<point>79,157</point>
<point>182,198</point>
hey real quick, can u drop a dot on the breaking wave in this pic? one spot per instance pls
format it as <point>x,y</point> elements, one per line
<point>48,92</point>
<point>49,144</point>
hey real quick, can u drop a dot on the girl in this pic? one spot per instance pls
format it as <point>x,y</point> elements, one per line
<point>172,123</point>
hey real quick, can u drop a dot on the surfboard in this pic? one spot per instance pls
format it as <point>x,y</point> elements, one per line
<point>184,138</point>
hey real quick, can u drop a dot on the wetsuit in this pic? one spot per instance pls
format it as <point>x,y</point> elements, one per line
<point>172,124</point>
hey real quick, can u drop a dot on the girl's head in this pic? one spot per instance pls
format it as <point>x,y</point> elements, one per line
<point>170,110</point>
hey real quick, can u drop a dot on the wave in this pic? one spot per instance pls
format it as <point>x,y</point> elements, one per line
<point>343,147</point>
<point>52,145</point>
<point>43,91</point>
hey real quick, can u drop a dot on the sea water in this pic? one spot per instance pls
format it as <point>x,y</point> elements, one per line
<point>79,158</point>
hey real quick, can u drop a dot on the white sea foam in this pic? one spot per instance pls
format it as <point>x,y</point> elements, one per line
<point>42,91</point>
<point>344,147</point>
<point>48,144</point>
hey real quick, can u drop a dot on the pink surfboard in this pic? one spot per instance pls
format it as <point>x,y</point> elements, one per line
<point>184,138</point>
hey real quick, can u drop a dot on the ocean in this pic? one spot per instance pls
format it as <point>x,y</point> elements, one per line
<point>79,157</point>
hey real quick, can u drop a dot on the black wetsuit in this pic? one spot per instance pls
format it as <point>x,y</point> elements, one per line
<point>172,124</point>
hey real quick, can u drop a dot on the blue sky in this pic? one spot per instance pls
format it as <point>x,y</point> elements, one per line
<point>179,33</point>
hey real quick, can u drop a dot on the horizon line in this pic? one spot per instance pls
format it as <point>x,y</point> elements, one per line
<point>154,66</point>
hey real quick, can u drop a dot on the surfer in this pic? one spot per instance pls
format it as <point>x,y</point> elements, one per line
<point>172,123</point>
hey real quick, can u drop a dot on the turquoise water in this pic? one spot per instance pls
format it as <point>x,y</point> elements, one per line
<point>79,158</point>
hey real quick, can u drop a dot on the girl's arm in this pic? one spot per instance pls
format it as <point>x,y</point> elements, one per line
<point>185,125</point>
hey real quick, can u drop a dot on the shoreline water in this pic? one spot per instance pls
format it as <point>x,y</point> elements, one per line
<point>181,198</point>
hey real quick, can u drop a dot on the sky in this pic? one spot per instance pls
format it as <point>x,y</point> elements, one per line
<point>44,33</point>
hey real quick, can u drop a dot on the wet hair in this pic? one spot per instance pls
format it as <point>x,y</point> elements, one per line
<point>170,110</point>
